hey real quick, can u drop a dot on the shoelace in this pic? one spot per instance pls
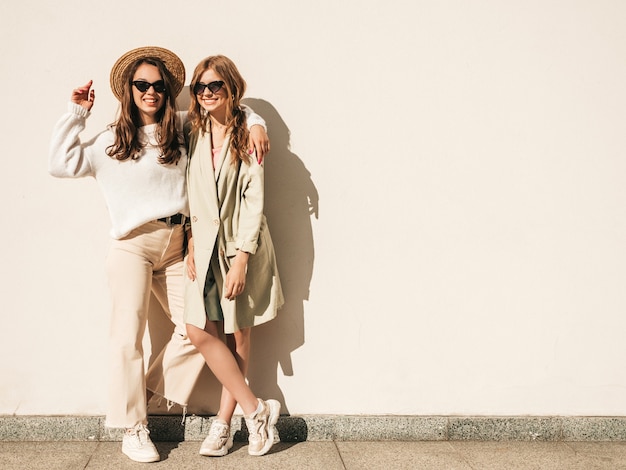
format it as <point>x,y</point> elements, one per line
<point>257,426</point>
<point>218,431</point>
<point>140,433</point>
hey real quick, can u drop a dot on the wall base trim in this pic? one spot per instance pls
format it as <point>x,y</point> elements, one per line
<point>332,427</point>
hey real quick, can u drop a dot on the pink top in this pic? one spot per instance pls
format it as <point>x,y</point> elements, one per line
<point>216,155</point>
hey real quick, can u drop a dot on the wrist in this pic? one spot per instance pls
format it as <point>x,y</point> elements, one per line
<point>242,257</point>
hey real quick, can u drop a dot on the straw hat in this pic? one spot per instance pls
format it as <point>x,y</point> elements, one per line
<point>172,63</point>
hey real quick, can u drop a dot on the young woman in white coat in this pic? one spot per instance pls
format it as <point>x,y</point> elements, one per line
<point>233,281</point>
<point>140,163</point>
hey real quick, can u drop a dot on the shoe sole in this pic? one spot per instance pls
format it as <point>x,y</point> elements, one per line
<point>222,451</point>
<point>274,407</point>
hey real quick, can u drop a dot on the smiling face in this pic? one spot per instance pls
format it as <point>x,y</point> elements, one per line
<point>213,103</point>
<point>148,102</point>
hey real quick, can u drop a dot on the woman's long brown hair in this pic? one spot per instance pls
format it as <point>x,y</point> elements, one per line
<point>235,87</point>
<point>127,144</point>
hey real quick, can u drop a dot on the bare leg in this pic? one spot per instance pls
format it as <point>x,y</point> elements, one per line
<point>239,345</point>
<point>223,364</point>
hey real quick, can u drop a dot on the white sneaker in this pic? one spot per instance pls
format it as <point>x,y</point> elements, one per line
<point>261,427</point>
<point>136,444</point>
<point>219,441</point>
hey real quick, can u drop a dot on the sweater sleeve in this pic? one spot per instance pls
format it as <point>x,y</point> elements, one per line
<point>68,158</point>
<point>252,118</point>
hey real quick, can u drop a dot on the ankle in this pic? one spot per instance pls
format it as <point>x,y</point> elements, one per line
<point>257,410</point>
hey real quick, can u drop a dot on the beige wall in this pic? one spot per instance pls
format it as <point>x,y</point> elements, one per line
<point>464,252</point>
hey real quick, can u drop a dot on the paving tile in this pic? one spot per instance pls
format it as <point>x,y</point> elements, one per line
<point>184,456</point>
<point>326,455</point>
<point>398,455</point>
<point>600,454</point>
<point>533,456</point>
<point>174,455</point>
<point>46,455</point>
<point>284,456</point>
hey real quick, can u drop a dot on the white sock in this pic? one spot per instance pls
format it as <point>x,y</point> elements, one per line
<point>258,410</point>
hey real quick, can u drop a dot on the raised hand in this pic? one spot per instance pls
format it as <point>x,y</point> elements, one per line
<point>84,96</point>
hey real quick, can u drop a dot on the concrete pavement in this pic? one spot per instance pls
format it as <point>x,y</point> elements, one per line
<point>325,455</point>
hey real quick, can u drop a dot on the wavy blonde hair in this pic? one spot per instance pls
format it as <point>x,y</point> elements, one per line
<point>235,87</point>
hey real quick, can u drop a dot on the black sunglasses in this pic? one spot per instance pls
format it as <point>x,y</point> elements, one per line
<point>213,87</point>
<point>143,86</point>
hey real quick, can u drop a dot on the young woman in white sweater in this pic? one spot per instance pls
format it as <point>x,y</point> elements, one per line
<point>140,163</point>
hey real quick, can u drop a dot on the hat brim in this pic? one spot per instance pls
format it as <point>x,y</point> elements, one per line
<point>172,62</point>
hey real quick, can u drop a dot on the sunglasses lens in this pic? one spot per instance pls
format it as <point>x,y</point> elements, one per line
<point>159,86</point>
<point>215,86</point>
<point>198,88</point>
<point>142,86</point>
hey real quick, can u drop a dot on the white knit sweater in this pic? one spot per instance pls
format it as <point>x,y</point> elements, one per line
<point>135,191</point>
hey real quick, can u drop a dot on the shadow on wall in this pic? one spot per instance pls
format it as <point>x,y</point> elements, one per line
<point>291,200</point>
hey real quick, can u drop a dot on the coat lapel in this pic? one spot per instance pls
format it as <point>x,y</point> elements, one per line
<point>202,162</point>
